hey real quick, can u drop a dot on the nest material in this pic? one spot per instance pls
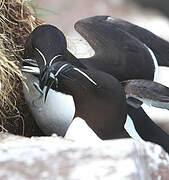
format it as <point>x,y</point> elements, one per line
<point>16,22</point>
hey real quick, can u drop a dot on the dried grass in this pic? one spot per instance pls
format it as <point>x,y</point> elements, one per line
<point>16,22</point>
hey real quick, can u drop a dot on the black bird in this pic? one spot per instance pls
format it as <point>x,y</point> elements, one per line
<point>46,45</point>
<point>100,100</point>
<point>48,76</point>
<point>98,97</point>
<point>116,52</point>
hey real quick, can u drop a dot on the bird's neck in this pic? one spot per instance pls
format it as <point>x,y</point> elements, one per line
<point>73,60</point>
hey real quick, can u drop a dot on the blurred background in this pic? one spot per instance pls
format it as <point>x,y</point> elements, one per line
<point>150,14</point>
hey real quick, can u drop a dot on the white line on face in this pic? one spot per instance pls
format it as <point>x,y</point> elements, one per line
<point>60,69</point>
<point>31,69</point>
<point>76,69</point>
<point>54,59</point>
<point>43,57</point>
<point>85,75</point>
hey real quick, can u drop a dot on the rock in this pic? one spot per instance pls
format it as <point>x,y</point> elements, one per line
<point>42,158</point>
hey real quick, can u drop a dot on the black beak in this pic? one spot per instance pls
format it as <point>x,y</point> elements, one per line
<point>49,76</point>
<point>36,85</point>
<point>48,79</point>
<point>44,79</point>
<point>30,62</point>
<point>51,80</point>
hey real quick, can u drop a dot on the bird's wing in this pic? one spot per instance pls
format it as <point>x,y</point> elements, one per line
<point>110,42</point>
<point>159,46</point>
<point>149,92</point>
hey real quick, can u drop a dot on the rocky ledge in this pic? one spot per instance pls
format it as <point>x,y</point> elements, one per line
<point>50,158</point>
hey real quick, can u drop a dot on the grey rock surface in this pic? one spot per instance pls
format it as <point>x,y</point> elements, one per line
<point>50,158</point>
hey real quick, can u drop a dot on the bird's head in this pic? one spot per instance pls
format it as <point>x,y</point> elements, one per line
<point>46,48</point>
<point>65,74</point>
<point>46,44</point>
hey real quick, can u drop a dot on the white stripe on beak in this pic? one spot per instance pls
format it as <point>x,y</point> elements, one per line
<point>54,59</point>
<point>29,69</point>
<point>60,69</point>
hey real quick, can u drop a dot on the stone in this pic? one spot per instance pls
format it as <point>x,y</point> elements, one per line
<point>50,158</point>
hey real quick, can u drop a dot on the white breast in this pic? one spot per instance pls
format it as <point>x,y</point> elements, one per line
<point>80,132</point>
<point>130,128</point>
<point>53,116</point>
